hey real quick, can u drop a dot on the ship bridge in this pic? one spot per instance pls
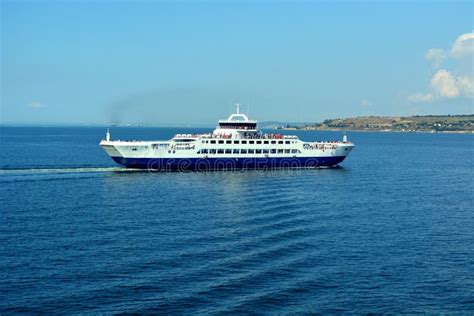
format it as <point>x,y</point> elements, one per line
<point>238,121</point>
<point>237,125</point>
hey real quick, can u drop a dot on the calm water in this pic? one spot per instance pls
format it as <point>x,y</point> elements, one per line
<point>390,231</point>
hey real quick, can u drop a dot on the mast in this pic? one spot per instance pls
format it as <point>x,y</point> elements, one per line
<point>238,108</point>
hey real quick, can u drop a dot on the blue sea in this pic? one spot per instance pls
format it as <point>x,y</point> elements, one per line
<point>390,231</point>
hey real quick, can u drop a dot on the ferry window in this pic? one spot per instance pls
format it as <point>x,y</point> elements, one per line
<point>205,151</point>
<point>265,142</point>
<point>259,142</point>
<point>220,151</point>
<point>274,142</point>
<point>251,151</point>
<point>251,142</point>
<point>236,151</point>
<point>199,152</point>
<point>294,151</point>
<point>287,151</point>
<point>273,151</point>
<point>243,151</point>
<point>228,142</point>
<point>236,141</point>
<point>213,151</point>
<point>266,151</point>
<point>244,142</point>
<point>221,142</point>
<point>183,140</point>
<point>280,142</point>
<point>280,151</point>
<point>228,151</point>
<point>287,142</point>
<point>213,141</point>
<point>258,151</point>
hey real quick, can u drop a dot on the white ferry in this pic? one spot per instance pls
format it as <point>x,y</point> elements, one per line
<point>236,143</point>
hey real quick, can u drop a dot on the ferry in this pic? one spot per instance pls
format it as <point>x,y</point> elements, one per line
<point>235,144</point>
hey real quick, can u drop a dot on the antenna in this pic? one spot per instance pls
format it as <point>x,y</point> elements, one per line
<point>238,108</point>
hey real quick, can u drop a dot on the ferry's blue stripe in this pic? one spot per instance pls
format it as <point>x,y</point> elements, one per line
<point>174,164</point>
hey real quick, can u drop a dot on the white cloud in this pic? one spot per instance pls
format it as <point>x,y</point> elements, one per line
<point>444,84</point>
<point>36,105</point>
<point>464,45</point>
<point>436,56</point>
<point>466,86</point>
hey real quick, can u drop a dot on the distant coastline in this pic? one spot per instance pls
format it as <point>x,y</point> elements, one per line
<point>461,124</point>
<point>426,124</point>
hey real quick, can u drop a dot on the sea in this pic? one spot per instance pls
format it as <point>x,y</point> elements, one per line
<point>389,231</point>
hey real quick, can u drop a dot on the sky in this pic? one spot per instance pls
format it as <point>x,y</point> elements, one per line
<point>185,63</point>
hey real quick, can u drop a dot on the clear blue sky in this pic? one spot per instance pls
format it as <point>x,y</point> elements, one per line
<point>189,62</point>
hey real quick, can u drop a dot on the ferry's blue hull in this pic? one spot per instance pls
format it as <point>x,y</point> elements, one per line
<point>203,164</point>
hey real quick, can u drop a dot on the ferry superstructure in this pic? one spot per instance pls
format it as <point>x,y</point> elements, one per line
<point>236,143</point>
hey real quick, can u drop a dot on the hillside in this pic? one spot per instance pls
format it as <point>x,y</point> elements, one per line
<point>429,123</point>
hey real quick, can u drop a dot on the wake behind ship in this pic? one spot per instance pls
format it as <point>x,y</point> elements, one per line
<point>236,143</point>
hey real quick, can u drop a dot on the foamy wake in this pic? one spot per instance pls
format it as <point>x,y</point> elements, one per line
<point>64,170</point>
